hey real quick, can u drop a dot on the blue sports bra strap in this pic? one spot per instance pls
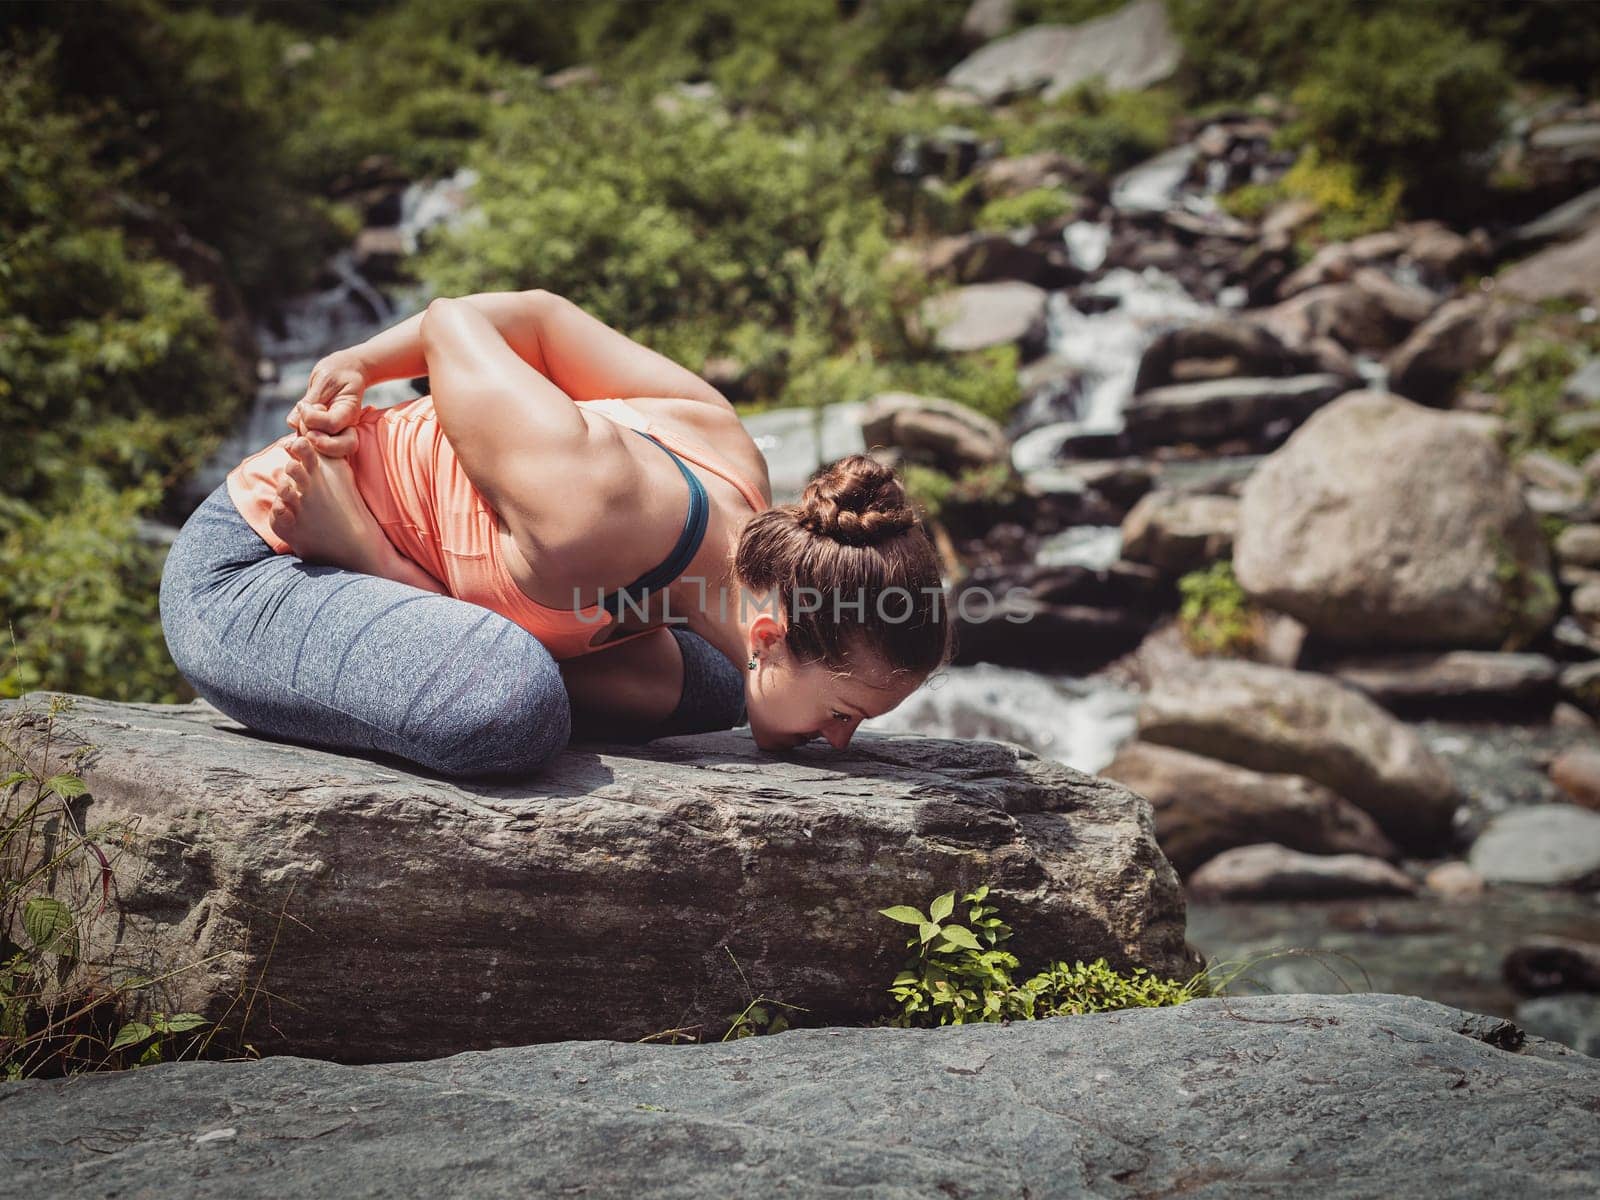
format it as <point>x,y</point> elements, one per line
<point>694,532</point>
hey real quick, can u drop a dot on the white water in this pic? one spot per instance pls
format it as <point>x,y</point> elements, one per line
<point>345,314</point>
<point>1074,721</point>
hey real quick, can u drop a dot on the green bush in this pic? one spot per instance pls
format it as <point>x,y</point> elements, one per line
<point>114,385</point>
<point>1405,97</point>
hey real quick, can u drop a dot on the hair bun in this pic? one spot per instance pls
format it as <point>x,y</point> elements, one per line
<point>857,501</point>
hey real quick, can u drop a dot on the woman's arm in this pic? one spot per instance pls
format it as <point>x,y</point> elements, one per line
<point>519,437</point>
<point>580,354</point>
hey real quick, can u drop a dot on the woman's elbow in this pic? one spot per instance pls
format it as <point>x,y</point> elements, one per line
<point>434,318</point>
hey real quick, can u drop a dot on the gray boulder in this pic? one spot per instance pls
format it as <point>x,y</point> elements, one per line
<point>1550,845</point>
<point>1272,872</point>
<point>1179,533</point>
<point>986,314</point>
<point>1565,271</point>
<point>1204,807</point>
<point>1383,522</point>
<point>950,435</point>
<point>1129,49</point>
<point>1218,347</point>
<point>1460,337</point>
<point>1455,675</point>
<point>1255,1096</point>
<point>1217,409</point>
<point>1572,1019</point>
<point>393,915</point>
<point>1297,723</point>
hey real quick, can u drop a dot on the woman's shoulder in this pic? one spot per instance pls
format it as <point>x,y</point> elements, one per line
<point>719,429</point>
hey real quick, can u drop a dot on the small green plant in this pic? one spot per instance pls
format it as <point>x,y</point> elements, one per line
<point>959,974</point>
<point>1033,207</point>
<point>756,1018</point>
<point>51,1024</point>
<point>1216,616</point>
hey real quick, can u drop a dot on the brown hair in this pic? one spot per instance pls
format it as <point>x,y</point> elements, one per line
<point>853,535</point>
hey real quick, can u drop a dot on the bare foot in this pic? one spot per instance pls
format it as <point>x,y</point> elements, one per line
<point>320,513</point>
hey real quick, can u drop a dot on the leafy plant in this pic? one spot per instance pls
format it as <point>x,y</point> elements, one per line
<point>59,1014</point>
<point>1216,616</point>
<point>959,974</point>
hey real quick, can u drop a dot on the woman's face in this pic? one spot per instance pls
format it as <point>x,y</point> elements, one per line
<point>789,704</point>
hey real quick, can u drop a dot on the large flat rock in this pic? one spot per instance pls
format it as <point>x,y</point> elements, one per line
<point>1267,1096</point>
<point>377,914</point>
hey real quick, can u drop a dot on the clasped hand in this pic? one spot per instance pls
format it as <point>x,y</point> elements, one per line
<point>326,415</point>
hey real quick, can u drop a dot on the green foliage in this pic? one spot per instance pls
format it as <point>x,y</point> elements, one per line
<point>1404,97</point>
<point>114,385</point>
<point>1033,207</point>
<point>1238,48</point>
<point>1531,401</point>
<point>959,974</point>
<point>1216,617</point>
<point>1106,131</point>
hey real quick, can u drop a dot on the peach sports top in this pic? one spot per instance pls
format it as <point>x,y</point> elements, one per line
<point>408,473</point>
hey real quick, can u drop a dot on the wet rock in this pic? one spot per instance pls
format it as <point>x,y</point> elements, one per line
<point>1245,348</point>
<point>1364,1094</point>
<point>949,153</point>
<point>1409,680</point>
<point>380,254</point>
<point>1272,872</point>
<point>1225,408</point>
<point>1001,177</point>
<point>1122,481</point>
<point>951,436</point>
<point>987,314</point>
<point>1294,722</point>
<point>1571,1020</point>
<point>1551,845</point>
<point>1580,682</point>
<point>1180,533</point>
<point>1383,522</point>
<point>987,20</point>
<point>1579,545</point>
<point>986,257</point>
<point>1565,271</point>
<point>1577,773</point>
<point>1584,385</point>
<point>1454,881</point>
<point>1564,222</point>
<point>1458,338</point>
<point>1370,312</point>
<point>1543,965</point>
<point>1551,473</point>
<point>1203,807</point>
<point>1129,49</point>
<point>422,917</point>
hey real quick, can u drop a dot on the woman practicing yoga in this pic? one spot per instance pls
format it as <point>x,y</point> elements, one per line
<point>447,580</point>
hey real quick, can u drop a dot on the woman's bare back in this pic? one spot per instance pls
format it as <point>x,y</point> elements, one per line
<point>583,526</point>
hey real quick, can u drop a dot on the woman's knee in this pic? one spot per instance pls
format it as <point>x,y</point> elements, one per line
<point>515,726</point>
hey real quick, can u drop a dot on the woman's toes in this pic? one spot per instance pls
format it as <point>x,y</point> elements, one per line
<point>302,451</point>
<point>280,518</point>
<point>297,472</point>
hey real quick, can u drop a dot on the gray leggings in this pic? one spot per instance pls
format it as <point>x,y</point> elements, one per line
<point>328,657</point>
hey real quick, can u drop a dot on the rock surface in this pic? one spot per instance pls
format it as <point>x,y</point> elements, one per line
<point>1204,807</point>
<point>1455,675</point>
<point>1179,533</point>
<point>952,436</point>
<point>398,916</point>
<point>1128,49</point>
<point>1553,845</point>
<point>1254,1096</point>
<point>1214,410</point>
<point>1294,722</point>
<point>987,314</point>
<point>1567,271</point>
<point>1272,872</point>
<point>1383,522</point>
